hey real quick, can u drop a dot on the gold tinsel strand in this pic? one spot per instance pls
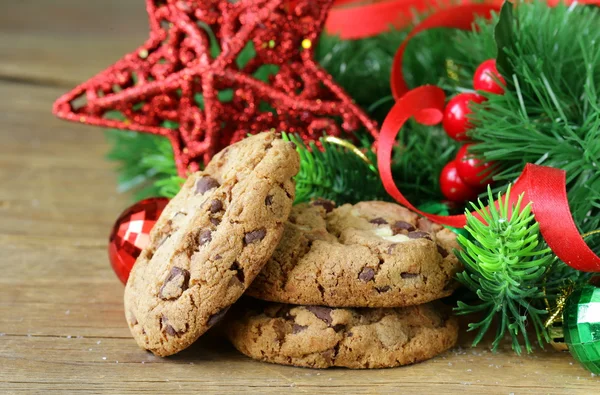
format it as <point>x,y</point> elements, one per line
<point>351,147</point>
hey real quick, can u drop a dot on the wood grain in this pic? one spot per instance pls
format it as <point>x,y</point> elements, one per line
<point>61,320</point>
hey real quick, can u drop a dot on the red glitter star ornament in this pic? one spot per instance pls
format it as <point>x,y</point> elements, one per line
<point>189,84</point>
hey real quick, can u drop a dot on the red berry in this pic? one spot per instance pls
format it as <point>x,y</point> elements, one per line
<point>455,120</point>
<point>453,187</point>
<point>486,78</point>
<point>471,170</point>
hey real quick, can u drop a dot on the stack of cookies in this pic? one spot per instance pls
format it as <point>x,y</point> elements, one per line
<point>351,286</point>
<point>378,258</point>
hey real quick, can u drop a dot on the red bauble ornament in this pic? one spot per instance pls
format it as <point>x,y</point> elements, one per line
<point>131,233</point>
<point>173,77</point>
<point>453,187</point>
<point>486,78</point>
<point>471,170</point>
<point>455,120</point>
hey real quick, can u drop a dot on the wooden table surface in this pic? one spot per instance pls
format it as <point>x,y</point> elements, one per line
<point>62,328</point>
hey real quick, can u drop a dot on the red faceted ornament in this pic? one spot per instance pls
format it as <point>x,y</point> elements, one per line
<point>453,187</point>
<point>188,82</point>
<point>456,122</point>
<point>131,233</point>
<point>486,78</point>
<point>472,171</point>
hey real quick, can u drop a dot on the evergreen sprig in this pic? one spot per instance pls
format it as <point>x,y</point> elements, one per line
<point>418,159</point>
<point>505,261</point>
<point>146,164</point>
<point>335,173</point>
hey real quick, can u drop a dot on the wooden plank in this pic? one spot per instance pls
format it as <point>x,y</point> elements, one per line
<point>63,42</point>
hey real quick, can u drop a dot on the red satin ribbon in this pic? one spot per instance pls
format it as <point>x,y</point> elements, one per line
<point>544,186</point>
<point>351,21</point>
<point>459,17</point>
<point>355,19</point>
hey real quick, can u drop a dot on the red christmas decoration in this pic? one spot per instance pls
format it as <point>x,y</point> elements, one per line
<point>177,76</point>
<point>471,170</point>
<point>453,187</point>
<point>486,78</point>
<point>456,122</point>
<point>131,233</point>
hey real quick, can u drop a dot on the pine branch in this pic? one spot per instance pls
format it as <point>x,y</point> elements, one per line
<point>146,164</point>
<point>335,173</point>
<point>505,264</point>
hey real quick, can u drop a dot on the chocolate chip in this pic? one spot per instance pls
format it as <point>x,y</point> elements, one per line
<point>328,205</point>
<point>399,226</point>
<point>169,330</point>
<point>378,221</point>
<point>206,184</point>
<point>408,275</point>
<point>390,249</point>
<point>269,200</point>
<point>217,257</point>
<point>322,313</point>
<point>134,320</point>
<point>217,317</point>
<point>254,236</point>
<point>176,282</point>
<point>292,144</point>
<point>367,274</point>
<point>204,237</point>
<point>298,328</point>
<point>419,235</point>
<point>328,355</point>
<point>339,327</point>
<point>383,289</point>
<point>442,251</point>
<point>280,331</point>
<point>216,206</point>
<point>284,313</point>
<point>349,334</point>
<point>166,327</point>
<point>215,221</point>
<point>239,271</point>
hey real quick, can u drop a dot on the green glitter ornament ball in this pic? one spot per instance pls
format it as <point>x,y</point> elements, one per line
<point>581,321</point>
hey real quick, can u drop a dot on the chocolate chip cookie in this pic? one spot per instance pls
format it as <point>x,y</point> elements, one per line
<point>372,254</point>
<point>210,242</point>
<point>322,337</point>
